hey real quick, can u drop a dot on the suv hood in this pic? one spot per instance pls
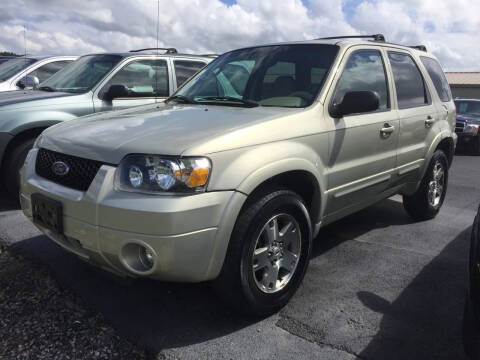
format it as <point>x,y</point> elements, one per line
<point>164,130</point>
<point>23,96</point>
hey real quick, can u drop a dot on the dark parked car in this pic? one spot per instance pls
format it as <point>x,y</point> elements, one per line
<point>472,303</point>
<point>468,123</point>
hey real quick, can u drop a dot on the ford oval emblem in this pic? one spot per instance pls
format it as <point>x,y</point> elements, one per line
<point>60,168</point>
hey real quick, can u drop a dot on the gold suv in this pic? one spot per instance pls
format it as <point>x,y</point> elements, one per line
<point>232,177</point>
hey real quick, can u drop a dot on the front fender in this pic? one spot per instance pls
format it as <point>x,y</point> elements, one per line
<point>245,169</point>
<point>21,121</point>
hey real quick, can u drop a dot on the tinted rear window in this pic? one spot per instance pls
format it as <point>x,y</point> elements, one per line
<point>438,78</point>
<point>411,89</point>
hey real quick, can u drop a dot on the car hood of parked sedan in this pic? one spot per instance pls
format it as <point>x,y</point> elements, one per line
<point>23,96</point>
<point>168,130</point>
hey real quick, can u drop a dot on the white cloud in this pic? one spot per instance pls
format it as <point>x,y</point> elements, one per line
<point>449,28</point>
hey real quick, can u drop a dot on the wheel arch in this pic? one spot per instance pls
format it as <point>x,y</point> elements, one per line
<point>18,138</point>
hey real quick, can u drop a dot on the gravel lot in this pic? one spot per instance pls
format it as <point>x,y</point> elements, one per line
<point>379,287</point>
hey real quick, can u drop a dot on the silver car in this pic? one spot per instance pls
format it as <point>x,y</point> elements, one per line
<point>92,84</point>
<point>27,72</point>
<point>231,178</point>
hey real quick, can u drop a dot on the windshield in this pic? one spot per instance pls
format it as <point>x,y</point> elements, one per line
<point>468,107</point>
<point>81,75</point>
<point>279,75</point>
<point>13,67</point>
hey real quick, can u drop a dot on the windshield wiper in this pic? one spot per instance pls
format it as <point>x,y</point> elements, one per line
<point>230,98</point>
<point>47,88</point>
<point>181,98</point>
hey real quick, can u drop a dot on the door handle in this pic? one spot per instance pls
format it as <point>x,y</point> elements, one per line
<point>387,130</point>
<point>429,122</point>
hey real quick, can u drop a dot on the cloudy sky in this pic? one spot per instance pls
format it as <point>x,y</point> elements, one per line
<point>449,28</point>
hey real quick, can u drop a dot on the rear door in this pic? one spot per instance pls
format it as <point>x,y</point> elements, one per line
<point>363,146</point>
<point>147,80</point>
<point>416,112</point>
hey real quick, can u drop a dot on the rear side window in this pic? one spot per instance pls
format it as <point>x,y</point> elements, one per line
<point>184,69</point>
<point>411,89</point>
<point>438,78</point>
<point>364,71</point>
<point>47,70</point>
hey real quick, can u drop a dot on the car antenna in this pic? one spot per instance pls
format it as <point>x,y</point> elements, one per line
<point>156,71</point>
<point>25,56</point>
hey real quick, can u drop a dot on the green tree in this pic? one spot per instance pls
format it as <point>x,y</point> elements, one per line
<point>7,53</point>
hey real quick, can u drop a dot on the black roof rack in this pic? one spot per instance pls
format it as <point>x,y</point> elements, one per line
<point>209,55</point>
<point>167,50</point>
<point>375,37</point>
<point>419,47</point>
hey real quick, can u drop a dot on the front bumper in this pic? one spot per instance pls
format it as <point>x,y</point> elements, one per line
<point>188,235</point>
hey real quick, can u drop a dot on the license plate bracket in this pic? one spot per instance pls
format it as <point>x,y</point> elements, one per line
<point>47,212</point>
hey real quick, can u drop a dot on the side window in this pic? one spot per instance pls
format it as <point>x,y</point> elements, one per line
<point>143,78</point>
<point>364,71</point>
<point>411,89</point>
<point>47,70</point>
<point>184,69</point>
<point>438,78</point>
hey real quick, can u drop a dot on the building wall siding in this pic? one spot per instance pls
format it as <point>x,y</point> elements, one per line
<point>465,92</point>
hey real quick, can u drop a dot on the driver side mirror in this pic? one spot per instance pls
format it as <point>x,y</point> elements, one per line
<point>28,82</point>
<point>115,92</point>
<point>355,102</point>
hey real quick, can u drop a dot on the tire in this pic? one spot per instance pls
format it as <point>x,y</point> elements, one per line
<point>14,163</point>
<point>242,282</point>
<point>420,206</point>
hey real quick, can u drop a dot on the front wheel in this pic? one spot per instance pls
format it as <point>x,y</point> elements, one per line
<point>426,202</point>
<point>14,163</point>
<point>268,254</point>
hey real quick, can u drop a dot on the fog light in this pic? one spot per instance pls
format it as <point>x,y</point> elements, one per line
<point>138,258</point>
<point>146,257</point>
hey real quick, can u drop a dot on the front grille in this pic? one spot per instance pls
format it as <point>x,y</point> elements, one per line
<point>459,127</point>
<point>81,171</point>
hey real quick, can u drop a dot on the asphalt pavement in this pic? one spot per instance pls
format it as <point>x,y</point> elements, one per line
<point>379,286</point>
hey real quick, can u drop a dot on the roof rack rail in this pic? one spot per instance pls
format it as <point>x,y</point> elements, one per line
<point>375,37</point>
<point>419,47</point>
<point>210,55</point>
<point>167,50</point>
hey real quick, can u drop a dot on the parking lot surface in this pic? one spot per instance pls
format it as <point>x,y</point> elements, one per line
<point>379,286</point>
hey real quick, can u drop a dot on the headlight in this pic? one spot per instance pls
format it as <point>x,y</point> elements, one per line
<point>470,129</point>
<point>156,175</point>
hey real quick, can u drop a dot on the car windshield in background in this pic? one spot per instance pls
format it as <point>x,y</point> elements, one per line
<point>468,107</point>
<point>81,75</point>
<point>284,75</point>
<point>14,66</point>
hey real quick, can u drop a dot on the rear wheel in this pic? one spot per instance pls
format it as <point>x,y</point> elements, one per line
<point>426,202</point>
<point>268,254</point>
<point>13,165</point>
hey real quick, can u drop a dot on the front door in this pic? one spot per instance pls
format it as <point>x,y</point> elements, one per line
<point>362,146</point>
<point>147,81</point>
